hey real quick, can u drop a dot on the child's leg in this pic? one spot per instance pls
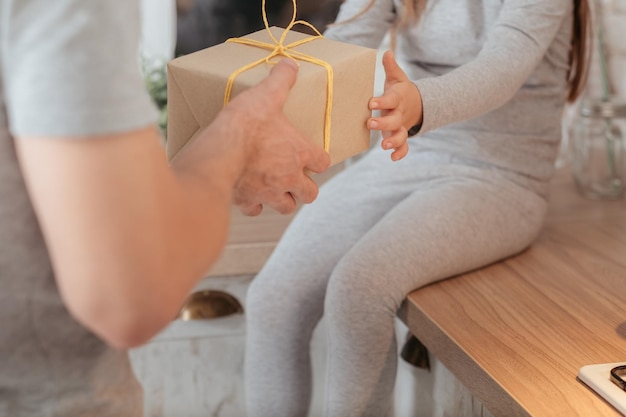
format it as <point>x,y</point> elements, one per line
<point>447,227</point>
<point>285,300</point>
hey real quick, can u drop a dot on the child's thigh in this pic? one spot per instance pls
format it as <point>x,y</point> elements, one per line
<point>445,228</point>
<point>347,207</point>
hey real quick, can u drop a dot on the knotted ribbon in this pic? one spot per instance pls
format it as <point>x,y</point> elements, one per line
<point>278,48</point>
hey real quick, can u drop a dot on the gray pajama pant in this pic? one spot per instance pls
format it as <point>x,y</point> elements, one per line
<point>377,231</point>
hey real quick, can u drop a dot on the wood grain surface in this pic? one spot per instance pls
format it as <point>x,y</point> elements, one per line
<point>516,332</point>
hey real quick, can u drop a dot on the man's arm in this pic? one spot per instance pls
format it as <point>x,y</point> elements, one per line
<point>129,235</point>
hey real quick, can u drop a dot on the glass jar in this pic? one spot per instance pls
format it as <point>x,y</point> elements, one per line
<point>597,147</point>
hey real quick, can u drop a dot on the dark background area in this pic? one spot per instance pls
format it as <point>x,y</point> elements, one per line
<point>204,23</point>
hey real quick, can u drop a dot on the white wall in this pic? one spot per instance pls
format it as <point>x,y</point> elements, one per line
<point>615,18</point>
<point>158,29</point>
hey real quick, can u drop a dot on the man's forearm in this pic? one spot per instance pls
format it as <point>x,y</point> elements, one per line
<point>128,235</point>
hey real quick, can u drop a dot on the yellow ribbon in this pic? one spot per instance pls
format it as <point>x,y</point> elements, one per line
<point>278,48</point>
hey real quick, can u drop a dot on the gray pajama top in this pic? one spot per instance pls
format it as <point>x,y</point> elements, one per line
<point>492,75</point>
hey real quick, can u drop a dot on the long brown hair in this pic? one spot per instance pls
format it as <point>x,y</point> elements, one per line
<point>581,34</point>
<point>581,49</point>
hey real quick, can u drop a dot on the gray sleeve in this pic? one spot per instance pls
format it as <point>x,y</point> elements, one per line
<point>71,67</point>
<point>367,30</point>
<point>513,49</point>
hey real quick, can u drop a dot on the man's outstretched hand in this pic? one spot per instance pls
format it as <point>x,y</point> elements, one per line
<point>277,155</point>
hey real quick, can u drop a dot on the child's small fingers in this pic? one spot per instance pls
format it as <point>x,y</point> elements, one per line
<point>395,140</point>
<point>391,121</point>
<point>400,152</point>
<point>384,102</point>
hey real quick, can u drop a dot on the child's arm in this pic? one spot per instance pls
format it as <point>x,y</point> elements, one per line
<point>363,22</point>
<point>514,47</point>
<point>400,108</point>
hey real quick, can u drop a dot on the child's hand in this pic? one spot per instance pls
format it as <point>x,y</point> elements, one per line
<point>400,108</point>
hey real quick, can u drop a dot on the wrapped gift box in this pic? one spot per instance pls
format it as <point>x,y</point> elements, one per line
<point>197,82</point>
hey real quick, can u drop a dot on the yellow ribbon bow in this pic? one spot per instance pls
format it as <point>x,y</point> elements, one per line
<point>278,48</point>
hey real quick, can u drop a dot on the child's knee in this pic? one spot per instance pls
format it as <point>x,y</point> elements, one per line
<point>358,292</point>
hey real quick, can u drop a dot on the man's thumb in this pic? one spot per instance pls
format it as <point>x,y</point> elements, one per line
<point>281,79</point>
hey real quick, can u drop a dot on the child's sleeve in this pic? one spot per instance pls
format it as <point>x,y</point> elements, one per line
<point>513,49</point>
<point>367,30</point>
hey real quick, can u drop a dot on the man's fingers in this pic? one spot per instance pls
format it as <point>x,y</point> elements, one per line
<point>253,210</point>
<point>281,79</point>
<point>307,190</point>
<point>246,205</point>
<point>318,162</point>
<point>284,204</point>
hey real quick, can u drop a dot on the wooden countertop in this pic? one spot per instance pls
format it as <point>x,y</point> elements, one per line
<point>517,332</point>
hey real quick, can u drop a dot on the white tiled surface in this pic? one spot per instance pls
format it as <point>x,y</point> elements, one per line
<point>195,369</point>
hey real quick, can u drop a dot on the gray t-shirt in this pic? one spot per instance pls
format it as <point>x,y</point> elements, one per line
<point>67,68</point>
<point>492,75</point>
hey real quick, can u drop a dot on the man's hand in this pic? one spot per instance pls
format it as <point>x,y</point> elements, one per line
<point>400,108</point>
<point>277,154</point>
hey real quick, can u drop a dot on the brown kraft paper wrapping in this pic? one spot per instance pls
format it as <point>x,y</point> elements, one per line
<point>197,82</point>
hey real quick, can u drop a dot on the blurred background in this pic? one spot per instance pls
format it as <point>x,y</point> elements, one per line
<point>203,23</point>
<point>172,28</point>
